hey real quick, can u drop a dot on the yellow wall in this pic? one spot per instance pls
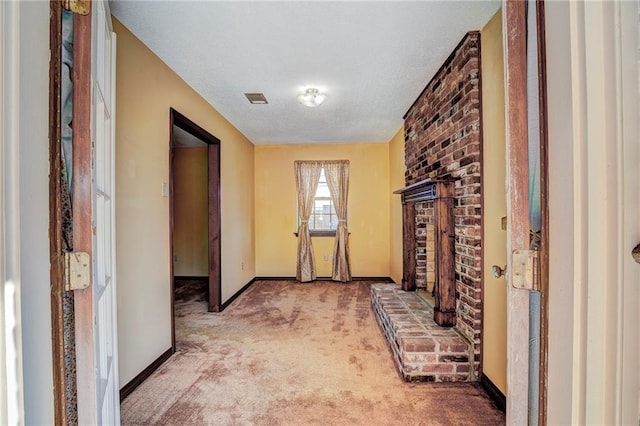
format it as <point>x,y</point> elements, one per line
<point>146,89</point>
<point>190,212</point>
<point>368,208</point>
<point>396,181</point>
<point>494,358</point>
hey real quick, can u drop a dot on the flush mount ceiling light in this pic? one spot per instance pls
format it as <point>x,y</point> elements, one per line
<point>311,98</point>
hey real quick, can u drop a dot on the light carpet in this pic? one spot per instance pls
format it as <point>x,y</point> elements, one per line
<point>286,353</point>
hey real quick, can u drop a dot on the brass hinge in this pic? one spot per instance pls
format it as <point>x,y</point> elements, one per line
<point>77,270</point>
<point>524,267</point>
<point>81,7</point>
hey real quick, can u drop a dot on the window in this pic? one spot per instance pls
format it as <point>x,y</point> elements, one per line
<point>323,217</point>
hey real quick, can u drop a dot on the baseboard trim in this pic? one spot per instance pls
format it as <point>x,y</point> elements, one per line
<point>191,278</point>
<point>494,393</point>
<point>378,279</point>
<point>237,294</point>
<point>274,279</point>
<point>250,283</point>
<point>144,374</point>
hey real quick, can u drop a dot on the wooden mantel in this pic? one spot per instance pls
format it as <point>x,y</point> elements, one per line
<point>441,192</point>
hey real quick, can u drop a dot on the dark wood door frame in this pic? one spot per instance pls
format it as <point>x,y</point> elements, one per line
<point>544,210</point>
<point>74,382</point>
<point>213,167</point>
<point>55,216</point>
<point>515,57</point>
<point>515,27</point>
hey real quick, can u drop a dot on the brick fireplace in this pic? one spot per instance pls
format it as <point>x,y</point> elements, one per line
<point>443,141</point>
<point>442,229</point>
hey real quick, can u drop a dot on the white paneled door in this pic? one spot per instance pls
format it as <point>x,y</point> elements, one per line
<point>96,322</point>
<point>104,289</point>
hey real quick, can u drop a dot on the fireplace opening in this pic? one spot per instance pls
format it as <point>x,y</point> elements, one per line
<point>425,250</point>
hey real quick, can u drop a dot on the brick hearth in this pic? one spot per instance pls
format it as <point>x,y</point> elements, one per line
<point>422,350</point>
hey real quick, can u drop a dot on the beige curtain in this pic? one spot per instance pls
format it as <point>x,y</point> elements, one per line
<point>307,176</point>
<point>337,173</point>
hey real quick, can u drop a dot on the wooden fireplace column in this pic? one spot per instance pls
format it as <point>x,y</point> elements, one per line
<point>441,192</point>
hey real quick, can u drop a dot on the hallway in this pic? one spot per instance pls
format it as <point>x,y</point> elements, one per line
<point>290,353</point>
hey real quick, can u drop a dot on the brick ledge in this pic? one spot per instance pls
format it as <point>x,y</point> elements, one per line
<point>422,350</point>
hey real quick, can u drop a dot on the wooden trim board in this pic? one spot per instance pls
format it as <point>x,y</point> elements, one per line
<point>494,392</point>
<point>126,390</point>
<point>82,216</point>
<point>55,214</point>
<point>191,278</point>
<point>379,279</point>
<point>226,304</point>
<point>544,201</point>
<point>515,48</point>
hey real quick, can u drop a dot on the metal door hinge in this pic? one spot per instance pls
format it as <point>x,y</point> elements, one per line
<point>524,267</point>
<point>77,270</point>
<point>81,7</point>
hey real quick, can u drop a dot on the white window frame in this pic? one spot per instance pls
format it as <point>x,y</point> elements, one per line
<point>313,231</point>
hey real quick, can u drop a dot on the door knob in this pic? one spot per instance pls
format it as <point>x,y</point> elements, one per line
<point>636,253</point>
<point>497,271</point>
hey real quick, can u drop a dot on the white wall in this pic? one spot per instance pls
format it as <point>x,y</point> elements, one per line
<point>34,212</point>
<point>593,204</point>
<point>11,401</point>
<point>25,211</point>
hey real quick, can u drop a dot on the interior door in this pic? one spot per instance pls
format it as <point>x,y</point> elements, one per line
<point>94,216</point>
<point>103,131</point>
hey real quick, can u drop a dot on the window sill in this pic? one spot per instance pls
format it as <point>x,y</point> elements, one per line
<point>320,233</point>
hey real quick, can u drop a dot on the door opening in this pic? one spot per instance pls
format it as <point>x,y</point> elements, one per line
<point>194,164</point>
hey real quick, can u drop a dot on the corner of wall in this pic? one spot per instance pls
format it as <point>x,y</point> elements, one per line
<point>396,181</point>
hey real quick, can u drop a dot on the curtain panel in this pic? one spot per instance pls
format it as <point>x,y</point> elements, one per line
<point>337,173</point>
<point>307,176</point>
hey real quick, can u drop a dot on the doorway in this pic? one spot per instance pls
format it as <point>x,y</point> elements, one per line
<point>194,193</point>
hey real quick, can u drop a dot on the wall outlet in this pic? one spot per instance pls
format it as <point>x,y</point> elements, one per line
<point>327,257</point>
<point>165,189</point>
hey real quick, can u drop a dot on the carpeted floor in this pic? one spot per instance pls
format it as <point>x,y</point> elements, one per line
<point>286,353</point>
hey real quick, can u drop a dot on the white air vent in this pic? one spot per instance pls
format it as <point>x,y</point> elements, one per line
<point>256,98</point>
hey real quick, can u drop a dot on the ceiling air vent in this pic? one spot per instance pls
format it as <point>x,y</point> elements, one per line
<point>256,98</point>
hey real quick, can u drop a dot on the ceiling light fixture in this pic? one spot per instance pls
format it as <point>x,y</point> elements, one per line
<point>311,98</point>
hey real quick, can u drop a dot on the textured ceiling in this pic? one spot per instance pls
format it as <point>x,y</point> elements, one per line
<point>371,58</point>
